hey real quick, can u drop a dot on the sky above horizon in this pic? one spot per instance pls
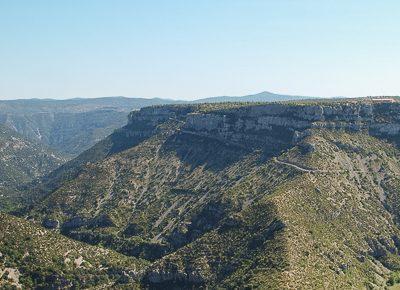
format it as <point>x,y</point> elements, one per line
<point>194,49</point>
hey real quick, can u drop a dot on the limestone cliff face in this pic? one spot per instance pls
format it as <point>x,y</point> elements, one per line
<point>273,125</point>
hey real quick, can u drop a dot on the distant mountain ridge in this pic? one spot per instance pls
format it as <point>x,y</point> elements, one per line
<point>259,97</point>
<point>79,104</point>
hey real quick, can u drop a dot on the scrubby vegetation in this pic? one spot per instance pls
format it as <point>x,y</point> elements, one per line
<point>21,161</point>
<point>40,258</point>
<point>237,197</point>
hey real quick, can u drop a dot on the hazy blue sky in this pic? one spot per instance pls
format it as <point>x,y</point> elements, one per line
<point>191,49</point>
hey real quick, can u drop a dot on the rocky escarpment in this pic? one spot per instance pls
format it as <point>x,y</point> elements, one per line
<point>276,126</point>
<point>278,119</point>
<point>271,128</point>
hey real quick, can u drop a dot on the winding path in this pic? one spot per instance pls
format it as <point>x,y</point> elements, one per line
<point>303,169</point>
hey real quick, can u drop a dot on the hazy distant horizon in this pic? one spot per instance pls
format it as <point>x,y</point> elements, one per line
<point>196,49</point>
<point>174,99</point>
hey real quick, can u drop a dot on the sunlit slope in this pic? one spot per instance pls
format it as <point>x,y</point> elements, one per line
<point>34,257</point>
